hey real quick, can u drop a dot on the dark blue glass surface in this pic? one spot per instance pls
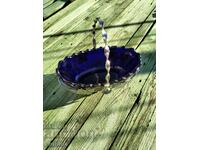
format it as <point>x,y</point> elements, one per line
<point>89,67</point>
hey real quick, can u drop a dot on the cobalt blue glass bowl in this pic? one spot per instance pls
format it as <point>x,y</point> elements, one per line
<point>86,70</point>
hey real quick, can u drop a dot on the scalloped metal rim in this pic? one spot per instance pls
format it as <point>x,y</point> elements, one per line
<point>84,86</point>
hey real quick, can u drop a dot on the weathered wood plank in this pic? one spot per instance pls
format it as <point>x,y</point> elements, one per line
<point>98,119</point>
<point>54,7</point>
<point>54,85</point>
<point>153,147</point>
<point>67,14</point>
<point>138,131</point>
<point>54,114</point>
<point>58,44</point>
<point>144,136</point>
<point>83,21</point>
<point>54,121</point>
<point>88,38</point>
<point>74,123</point>
<point>48,78</point>
<point>132,29</point>
<point>62,13</point>
<point>62,120</point>
<point>46,3</point>
<point>149,138</point>
<point>59,93</point>
<point>109,115</point>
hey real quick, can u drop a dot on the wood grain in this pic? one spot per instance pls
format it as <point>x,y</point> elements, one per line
<point>100,121</point>
<point>111,112</point>
<point>46,3</point>
<point>53,8</point>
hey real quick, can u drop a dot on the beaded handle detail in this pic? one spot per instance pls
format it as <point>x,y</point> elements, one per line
<point>106,51</point>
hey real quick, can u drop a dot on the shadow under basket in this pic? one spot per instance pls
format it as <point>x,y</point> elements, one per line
<point>84,72</point>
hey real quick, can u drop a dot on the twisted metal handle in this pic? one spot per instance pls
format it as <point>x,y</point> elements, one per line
<point>106,50</point>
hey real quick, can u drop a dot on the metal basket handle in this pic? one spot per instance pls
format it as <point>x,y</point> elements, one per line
<point>106,50</point>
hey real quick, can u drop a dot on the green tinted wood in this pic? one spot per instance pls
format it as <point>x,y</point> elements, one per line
<point>100,121</point>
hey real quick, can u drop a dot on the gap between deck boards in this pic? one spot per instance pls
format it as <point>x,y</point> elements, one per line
<point>99,100</point>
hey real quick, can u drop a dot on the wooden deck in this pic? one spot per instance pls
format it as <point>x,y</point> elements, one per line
<point>122,119</point>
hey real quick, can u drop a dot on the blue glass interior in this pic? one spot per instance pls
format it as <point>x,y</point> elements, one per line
<point>89,67</point>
